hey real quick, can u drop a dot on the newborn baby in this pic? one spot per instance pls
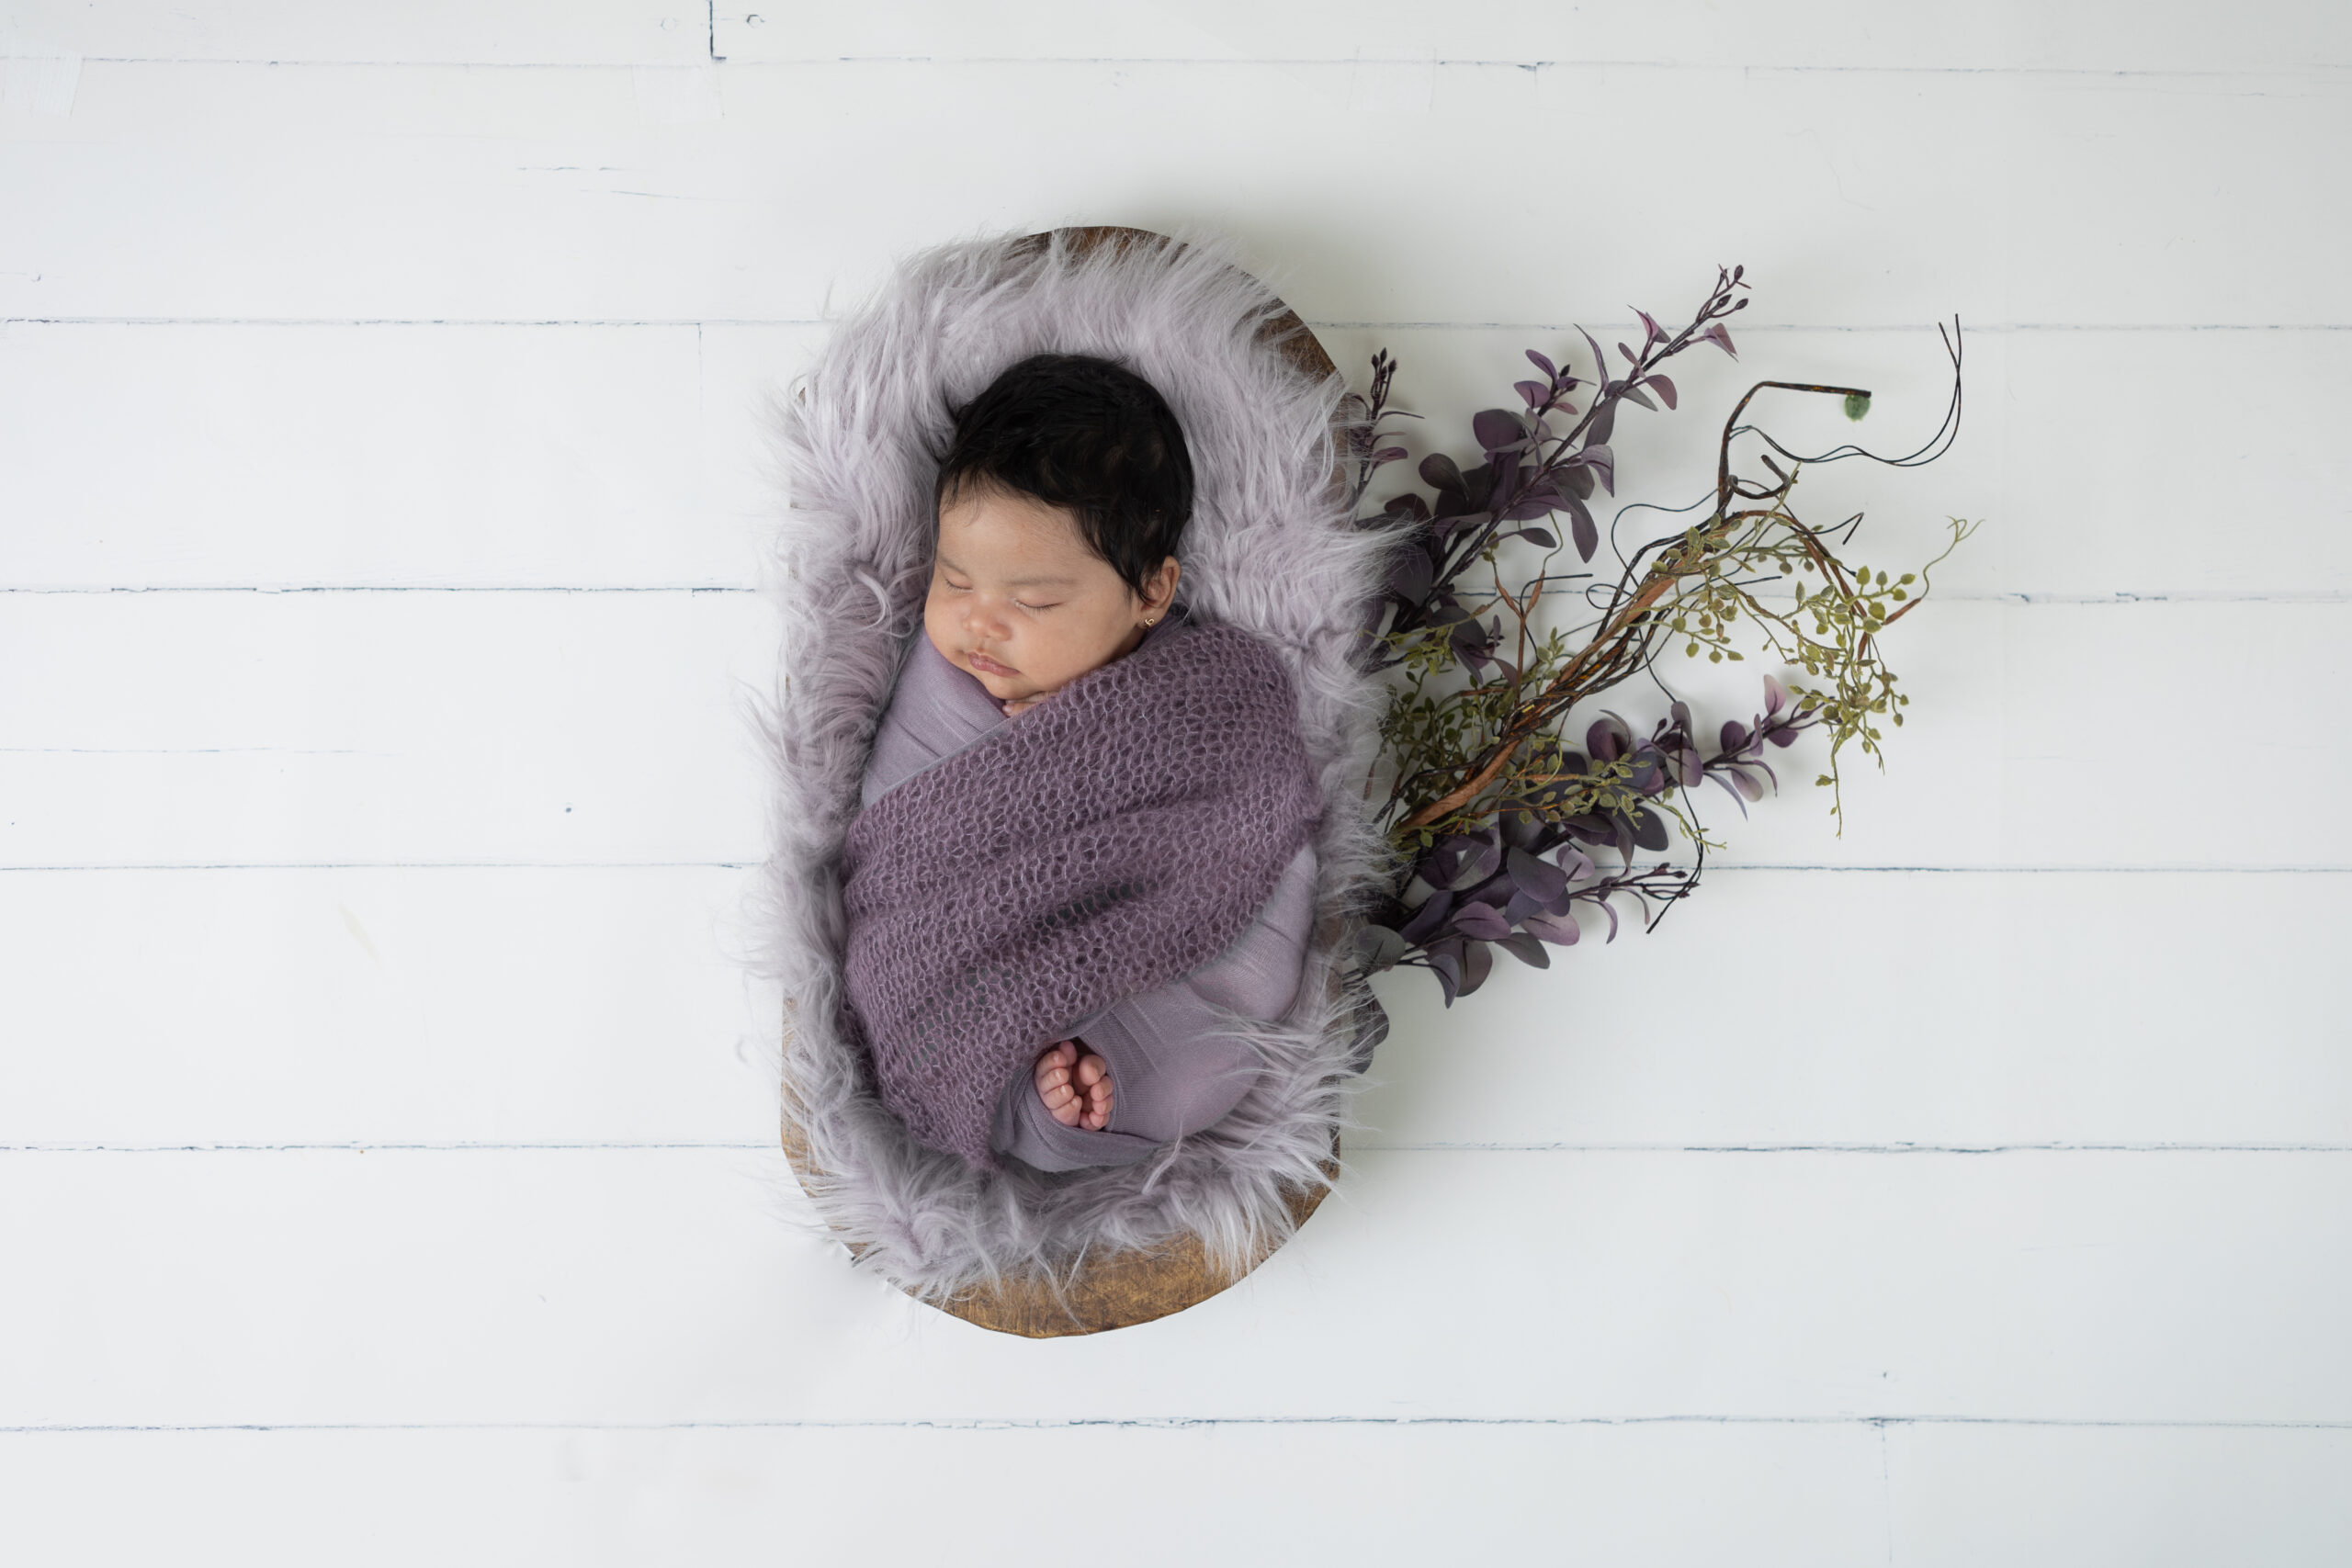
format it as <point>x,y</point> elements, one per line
<point>1059,505</point>
<point>1019,602</point>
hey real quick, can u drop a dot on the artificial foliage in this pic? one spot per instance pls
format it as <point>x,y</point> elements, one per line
<point>1505,818</point>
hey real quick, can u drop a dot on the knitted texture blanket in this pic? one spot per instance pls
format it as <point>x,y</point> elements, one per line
<point>1120,834</point>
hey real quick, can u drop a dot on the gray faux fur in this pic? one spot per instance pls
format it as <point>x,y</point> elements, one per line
<point>1269,548</point>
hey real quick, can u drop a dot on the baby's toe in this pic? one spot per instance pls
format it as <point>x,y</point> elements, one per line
<point>1095,1076</point>
<point>1055,1089</point>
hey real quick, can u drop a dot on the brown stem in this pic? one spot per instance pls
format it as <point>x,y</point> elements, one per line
<point>1533,717</point>
<point>1722,459</point>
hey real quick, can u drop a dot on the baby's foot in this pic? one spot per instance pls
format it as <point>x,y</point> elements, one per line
<point>1075,1088</point>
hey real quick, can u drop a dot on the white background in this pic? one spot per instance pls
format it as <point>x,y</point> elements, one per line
<point>387,1170</point>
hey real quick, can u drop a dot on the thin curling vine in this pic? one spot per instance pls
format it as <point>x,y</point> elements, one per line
<point>1489,808</point>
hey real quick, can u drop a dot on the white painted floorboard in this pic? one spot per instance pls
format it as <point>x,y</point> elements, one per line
<point>333,728</point>
<point>520,1006</point>
<point>633,1286</point>
<point>386,1163</point>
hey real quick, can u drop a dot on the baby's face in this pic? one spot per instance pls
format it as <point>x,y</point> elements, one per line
<point>1019,602</point>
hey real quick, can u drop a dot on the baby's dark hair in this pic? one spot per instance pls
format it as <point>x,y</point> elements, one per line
<point>1088,435</point>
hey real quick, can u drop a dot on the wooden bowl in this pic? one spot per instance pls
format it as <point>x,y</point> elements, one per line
<point>1120,1289</point>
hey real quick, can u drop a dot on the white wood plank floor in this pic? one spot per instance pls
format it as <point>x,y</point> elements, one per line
<point>385,1130</point>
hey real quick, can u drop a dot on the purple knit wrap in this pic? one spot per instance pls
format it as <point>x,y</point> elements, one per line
<point>1120,834</point>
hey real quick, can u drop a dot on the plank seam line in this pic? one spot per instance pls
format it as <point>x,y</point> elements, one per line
<point>1831,1148</point>
<point>411,865</point>
<point>1718,869</point>
<point>680,323</point>
<point>2022,596</point>
<point>280,590</point>
<point>989,1424</point>
<point>715,1147</point>
<point>2299,70</point>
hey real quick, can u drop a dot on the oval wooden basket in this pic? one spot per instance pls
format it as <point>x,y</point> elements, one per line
<point>1118,1290</point>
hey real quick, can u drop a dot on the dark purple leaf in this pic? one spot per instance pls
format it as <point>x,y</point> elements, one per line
<point>1650,326</point>
<point>1665,389</point>
<point>1408,575</point>
<point>1546,489</point>
<point>1533,392</point>
<point>1542,364</point>
<point>1611,910</point>
<point>1496,890</point>
<point>1731,789</point>
<point>1388,454</point>
<point>1631,357</point>
<point>1721,338</point>
<point>1481,860</point>
<point>1521,828</point>
<point>1538,879</point>
<point>1575,864</point>
<point>1540,537</point>
<point>1603,422</point>
<point>1427,919</point>
<point>1499,429</point>
<point>1602,458</point>
<point>1438,472</point>
<point>1445,963</point>
<point>1481,920</point>
<point>1599,360</point>
<point>1480,483</point>
<point>1378,948</point>
<point>1598,831</point>
<point>1527,950</point>
<point>1582,529</point>
<point>1637,395</point>
<point>1606,740</point>
<point>1477,959</point>
<point>1734,735</point>
<point>1649,829</point>
<point>1560,931</point>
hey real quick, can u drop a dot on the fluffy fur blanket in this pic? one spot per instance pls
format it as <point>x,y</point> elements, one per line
<point>1269,548</point>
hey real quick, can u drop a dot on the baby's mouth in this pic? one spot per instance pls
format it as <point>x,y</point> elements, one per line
<point>983,662</point>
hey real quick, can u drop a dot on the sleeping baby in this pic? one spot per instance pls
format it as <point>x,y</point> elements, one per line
<point>1060,502</point>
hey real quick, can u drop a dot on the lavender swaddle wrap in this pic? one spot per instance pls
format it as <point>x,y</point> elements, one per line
<point>1173,1071</point>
